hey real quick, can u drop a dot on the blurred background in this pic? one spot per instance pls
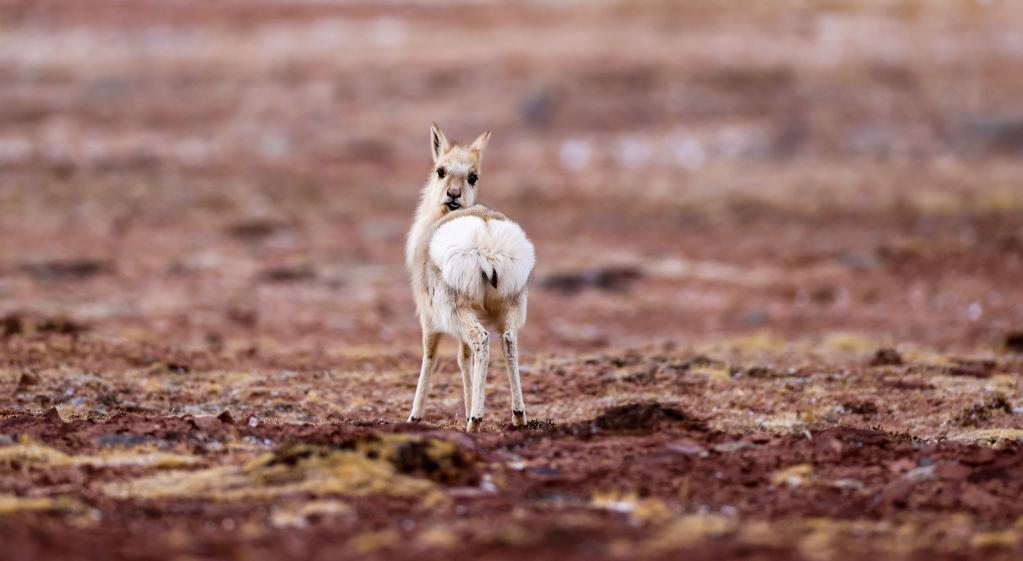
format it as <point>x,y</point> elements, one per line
<point>239,175</point>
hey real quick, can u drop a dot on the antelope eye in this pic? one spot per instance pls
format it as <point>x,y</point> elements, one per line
<point>473,178</point>
<point>441,173</point>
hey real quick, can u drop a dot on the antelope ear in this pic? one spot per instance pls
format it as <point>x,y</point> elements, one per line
<point>481,142</point>
<point>438,142</point>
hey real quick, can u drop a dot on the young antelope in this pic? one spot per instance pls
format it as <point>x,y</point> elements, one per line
<point>470,269</point>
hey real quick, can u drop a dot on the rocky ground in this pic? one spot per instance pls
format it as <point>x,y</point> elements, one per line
<point>778,310</point>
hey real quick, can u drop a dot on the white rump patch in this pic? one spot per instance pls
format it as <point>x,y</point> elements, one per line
<point>469,251</point>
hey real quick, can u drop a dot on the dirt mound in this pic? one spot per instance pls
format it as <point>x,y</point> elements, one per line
<point>644,417</point>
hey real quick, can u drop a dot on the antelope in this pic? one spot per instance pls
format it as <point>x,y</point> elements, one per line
<point>470,269</point>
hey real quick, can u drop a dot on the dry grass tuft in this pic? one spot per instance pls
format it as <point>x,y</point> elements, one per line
<point>398,465</point>
<point>10,504</point>
<point>990,436</point>
<point>32,454</point>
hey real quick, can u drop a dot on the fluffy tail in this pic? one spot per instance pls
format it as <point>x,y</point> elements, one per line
<point>472,253</point>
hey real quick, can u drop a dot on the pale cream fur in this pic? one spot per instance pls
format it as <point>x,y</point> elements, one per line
<point>470,269</point>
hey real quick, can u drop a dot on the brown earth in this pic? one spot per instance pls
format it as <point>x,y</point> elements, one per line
<point>777,312</point>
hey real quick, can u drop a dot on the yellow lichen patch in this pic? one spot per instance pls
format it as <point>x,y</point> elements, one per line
<point>819,541</point>
<point>374,541</point>
<point>365,351</point>
<point>31,453</point>
<point>811,416</point>
<point>28,452</point>
<point>651,511</point>
<point>437,537</point>
<point>690,530</point>
<point>1004,382</point>
<point>313,397</point>
<point>1002,201</point>
<point>793,476</point>
<point>989,436</point>
<point>719,373</point>
<point>510,535</point>
<point>1007,539</point>
<point>336,472</point>
<point>936,203</point>
<point>929,358</point>
<point>10,504</point>
<point>759,533</point>
<point>762,342</point>
<point>159,460</point>
<point>614,501</point>
<point>640,510</point>
<point>370,467</point>
<point>299,516</point>
<point>849,342</point>
<point>782,423</point>
<point>822,538</point>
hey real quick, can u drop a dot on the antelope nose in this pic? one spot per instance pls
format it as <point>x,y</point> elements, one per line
<point>454,193</point>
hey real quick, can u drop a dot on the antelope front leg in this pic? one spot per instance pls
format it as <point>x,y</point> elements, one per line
<point>510,344</point>
<point>465,366</point>
<point>430,343</point>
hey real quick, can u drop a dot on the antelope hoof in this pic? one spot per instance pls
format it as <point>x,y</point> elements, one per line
<point>473,424</point>
<point>519,419</point>
<point>412,419</point>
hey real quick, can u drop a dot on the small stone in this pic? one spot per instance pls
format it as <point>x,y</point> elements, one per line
<point>847,483</point>
<point>924,473</point>
<point>687,447</point>
<point>53,416</point>
<point>732,447</point>
<point>207,422</point>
